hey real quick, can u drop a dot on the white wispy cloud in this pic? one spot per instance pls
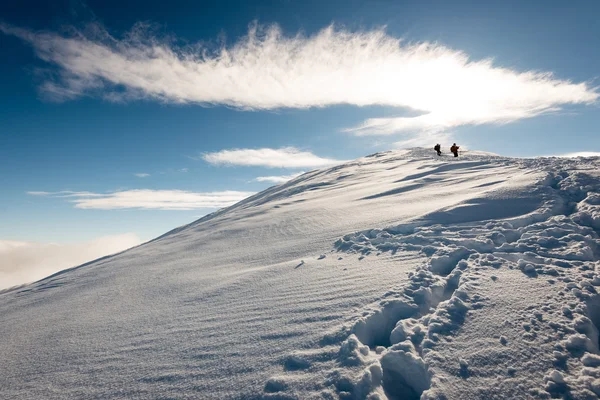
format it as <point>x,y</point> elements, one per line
<point>286,157</point>
<point>150,199</point>
<point>425,139</point>
<point>277,178</point>
<point>268,70</point>
<point>65,193</point>
<point>142,175</point>
<point>24,262</point>
<point>582,154</point>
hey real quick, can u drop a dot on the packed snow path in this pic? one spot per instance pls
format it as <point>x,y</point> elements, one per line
<point>501,309</point>
<point>468,278</point>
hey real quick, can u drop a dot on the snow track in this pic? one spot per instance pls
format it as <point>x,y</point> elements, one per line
<point>497,274</point>
<point>471,278</point>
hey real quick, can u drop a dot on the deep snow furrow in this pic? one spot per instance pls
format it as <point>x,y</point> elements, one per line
<point>390,352</point>
<point>500,302</point>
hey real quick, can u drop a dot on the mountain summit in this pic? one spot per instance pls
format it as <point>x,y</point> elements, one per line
<point>400,275</point>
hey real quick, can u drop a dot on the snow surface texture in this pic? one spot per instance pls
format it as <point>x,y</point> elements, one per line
<point>465,278</point>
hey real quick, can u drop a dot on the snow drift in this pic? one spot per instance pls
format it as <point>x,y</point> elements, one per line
<point>400,275</point>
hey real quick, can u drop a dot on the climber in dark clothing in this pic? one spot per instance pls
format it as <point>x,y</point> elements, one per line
<point>438,148</point>
<point>454,150</point>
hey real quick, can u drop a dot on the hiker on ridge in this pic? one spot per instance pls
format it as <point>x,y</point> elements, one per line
<point>454,150</point>
<point>438,148</point>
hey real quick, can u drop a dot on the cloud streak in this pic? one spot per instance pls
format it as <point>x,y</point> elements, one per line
<point>277,178</point>
<point>425,140</point>
<point>267,70</point>
<point>23,262</point>
<point>148,199</point>
<point>286,157</point>
<point>581,154</point>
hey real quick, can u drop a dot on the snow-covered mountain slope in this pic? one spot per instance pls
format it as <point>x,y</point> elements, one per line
<point>399,275</point>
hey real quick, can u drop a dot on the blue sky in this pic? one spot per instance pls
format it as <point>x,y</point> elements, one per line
<point>86,103</point>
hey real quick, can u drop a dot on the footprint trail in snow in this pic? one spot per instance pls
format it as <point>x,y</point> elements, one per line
<point>398,275</point>
<point>469,323</point>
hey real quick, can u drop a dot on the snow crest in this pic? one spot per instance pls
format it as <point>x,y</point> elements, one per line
<point>399,348</point>
<point>401,275</point>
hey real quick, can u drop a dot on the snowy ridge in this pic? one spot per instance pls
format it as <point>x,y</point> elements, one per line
<point>402,348</point>
<point>400,275</point>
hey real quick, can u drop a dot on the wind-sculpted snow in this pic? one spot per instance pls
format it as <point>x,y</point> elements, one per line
<point>502,308</point>
<point>396,276</point>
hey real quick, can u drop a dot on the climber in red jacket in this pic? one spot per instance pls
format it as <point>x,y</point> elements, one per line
<point>454,150</point>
